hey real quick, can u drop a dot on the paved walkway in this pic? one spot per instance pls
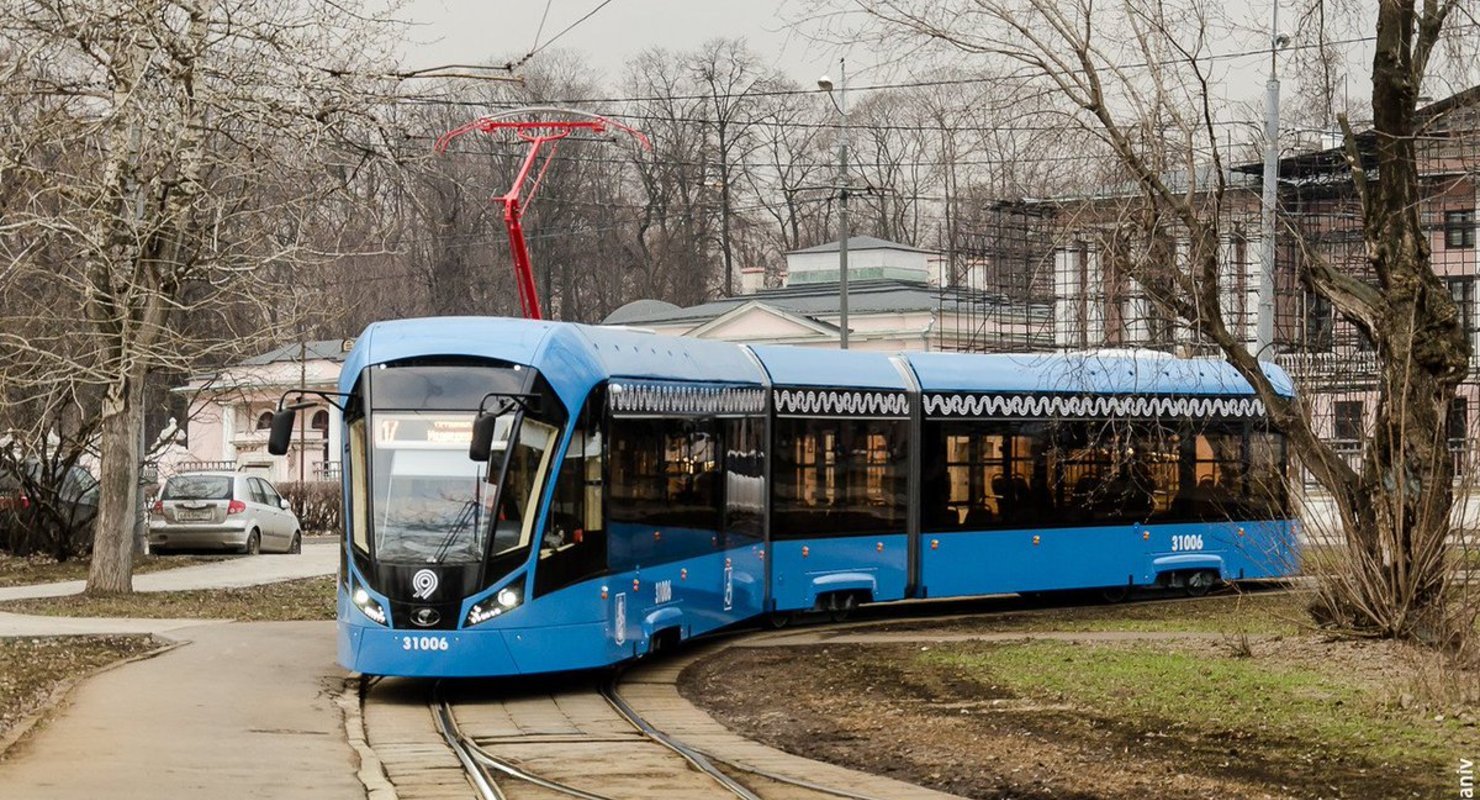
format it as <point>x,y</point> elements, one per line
<point>243,710</point>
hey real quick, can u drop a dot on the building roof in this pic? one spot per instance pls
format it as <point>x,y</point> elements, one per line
<point>814,299</point>
<point>859,243</point>
<point>322,349</point>
<point>638,310</point>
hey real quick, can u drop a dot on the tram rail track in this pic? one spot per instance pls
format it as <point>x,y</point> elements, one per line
<point>586,754</point>
<point>495,777</point>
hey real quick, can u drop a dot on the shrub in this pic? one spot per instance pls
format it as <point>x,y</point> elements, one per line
<point>318,504</point>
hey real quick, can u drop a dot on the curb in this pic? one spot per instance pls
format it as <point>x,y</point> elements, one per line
<point>370,770</point>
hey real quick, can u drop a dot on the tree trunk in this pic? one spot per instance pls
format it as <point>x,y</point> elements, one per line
<point>118,496</point>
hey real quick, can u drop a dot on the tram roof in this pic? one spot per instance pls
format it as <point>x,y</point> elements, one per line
<point>633,354</point>
<point>810,366</point>
<point>488,337</point>
<point>1113,372</point>
<point>615,351</point>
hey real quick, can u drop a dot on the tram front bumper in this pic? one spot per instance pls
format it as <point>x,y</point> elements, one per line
<point>424,653</point>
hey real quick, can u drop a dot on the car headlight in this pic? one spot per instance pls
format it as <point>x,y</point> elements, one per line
<point>368,605</point>
<point>506,600</point>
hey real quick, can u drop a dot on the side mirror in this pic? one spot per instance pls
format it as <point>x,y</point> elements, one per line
<point>282,431</point>
<point>284,504</point>
<point>484,427</point>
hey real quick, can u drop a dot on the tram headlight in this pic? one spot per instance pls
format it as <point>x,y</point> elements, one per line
<point>368,605</point>
<point>506,600</point>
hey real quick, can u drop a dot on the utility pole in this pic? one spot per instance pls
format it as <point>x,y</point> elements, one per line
<point>1264,325</point>
<point>842,105</point>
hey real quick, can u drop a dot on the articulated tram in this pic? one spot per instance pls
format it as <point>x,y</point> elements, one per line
<point>526,496</point>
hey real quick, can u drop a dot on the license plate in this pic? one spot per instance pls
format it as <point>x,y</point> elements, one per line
<point>193,515</point>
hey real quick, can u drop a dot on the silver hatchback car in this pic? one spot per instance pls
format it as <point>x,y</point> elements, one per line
<point>223,510</point>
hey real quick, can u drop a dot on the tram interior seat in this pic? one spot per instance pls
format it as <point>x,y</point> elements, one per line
<point>977,517</point>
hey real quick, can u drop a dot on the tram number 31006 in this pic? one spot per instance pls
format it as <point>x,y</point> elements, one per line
<point>424,643</point>
<point>1188,541</point>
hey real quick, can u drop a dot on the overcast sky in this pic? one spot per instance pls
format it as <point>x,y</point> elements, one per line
<point>460,31</point>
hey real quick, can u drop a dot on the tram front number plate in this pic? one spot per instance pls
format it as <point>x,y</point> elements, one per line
<point>425,643</point>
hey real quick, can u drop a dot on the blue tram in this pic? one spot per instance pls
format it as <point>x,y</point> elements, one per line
<point>527,496</point>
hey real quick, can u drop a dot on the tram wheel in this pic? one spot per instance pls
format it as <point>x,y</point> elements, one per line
<point>1115,594</point>
<point>254,543</point>
<point>842,607</point>
<point>1200,583</point>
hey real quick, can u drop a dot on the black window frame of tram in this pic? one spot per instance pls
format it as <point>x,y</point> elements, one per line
<point>1148,471</point>
<point>867,480</point>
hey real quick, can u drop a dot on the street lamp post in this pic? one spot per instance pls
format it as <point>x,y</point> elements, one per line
<point>826,85</point>
<point>1264,322</point>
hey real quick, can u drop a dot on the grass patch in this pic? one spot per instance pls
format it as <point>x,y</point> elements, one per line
<point>1273,613</point>
<point>31,669</point>
<point>304,599</point>
<point>27,570</point>
<point>1263,720</point>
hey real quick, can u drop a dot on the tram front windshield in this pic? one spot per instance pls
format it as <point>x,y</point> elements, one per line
<point>431,503</point>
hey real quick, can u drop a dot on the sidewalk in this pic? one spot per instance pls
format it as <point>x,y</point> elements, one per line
<point>244,710</point>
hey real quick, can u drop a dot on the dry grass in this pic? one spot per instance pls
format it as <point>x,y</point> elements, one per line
<point>27,570</point>
<point>32,668</point>
<point>305,599</point>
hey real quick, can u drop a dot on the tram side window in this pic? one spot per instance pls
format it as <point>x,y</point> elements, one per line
<point>1115,470</point>
<point>359,497</point>
<point>663,491</point>
<point>1212,481</point>
<point>982,475</point>
<point>839,477</point>
<point>745,483</point>
<point>573,546</point>
<point>1268,489</point>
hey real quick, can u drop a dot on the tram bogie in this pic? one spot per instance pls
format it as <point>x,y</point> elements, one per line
<point>526,497</point>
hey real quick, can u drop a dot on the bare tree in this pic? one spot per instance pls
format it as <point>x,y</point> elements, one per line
<point>1137,74</point>
<point>200,138</point>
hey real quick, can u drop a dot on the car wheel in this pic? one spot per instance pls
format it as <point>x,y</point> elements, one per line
<point>254,543</point>
<point>296,546</point>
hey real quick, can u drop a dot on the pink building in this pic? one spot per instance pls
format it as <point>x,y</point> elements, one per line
<point>231,411</point>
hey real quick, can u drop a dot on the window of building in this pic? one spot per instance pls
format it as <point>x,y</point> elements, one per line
<point>1320,323</point>
<point>264,421</point>
<point>320,421</point>
<point>1459,229</point>
<point>839,477</point>
<point>1347,423</point>
<point>1462,291</point>
<point>1456,430</point>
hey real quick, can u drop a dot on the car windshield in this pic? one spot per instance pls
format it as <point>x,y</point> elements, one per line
<point>197,487</point>
<point>433,504</point>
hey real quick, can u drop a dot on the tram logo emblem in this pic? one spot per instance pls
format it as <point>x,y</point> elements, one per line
<point>426,617</point>
<point>423,584</point>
